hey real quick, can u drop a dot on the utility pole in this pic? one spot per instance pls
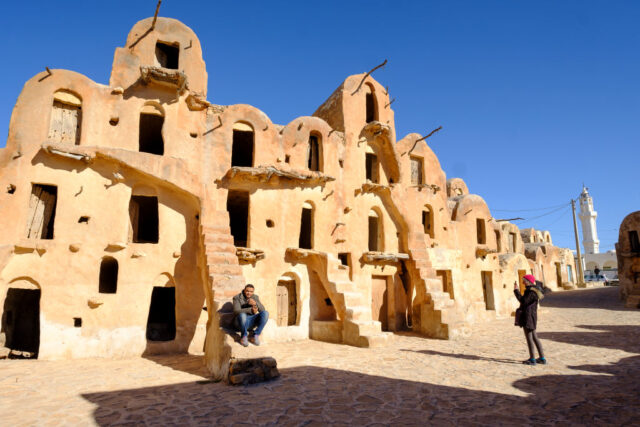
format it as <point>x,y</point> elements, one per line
<point>580,281</point>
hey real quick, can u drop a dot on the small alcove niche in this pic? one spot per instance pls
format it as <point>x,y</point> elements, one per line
<point>242,150</point>
<point>371,103</point>
<point>83,220</point>
<point>143,214</point>
<point>42,211</point>
<point>108,283</point>
<point>306,227</point>
<point>314,158</point>
<point>66,118</point>
<point>151,122</point>
<point>168,55</point>
<point>376,237</point>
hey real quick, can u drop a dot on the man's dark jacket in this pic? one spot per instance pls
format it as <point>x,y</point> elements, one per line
<point>240,304</point>
<point>529,306</point>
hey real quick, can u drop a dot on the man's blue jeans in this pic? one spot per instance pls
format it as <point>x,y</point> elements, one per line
<point>245,322</point>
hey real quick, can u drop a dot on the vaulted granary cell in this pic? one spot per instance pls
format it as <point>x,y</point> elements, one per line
<point>42,211</point>
<point>21,320</point>
<point>242,145</point>
<point>168,55</point>
<point>161,323</point>
<point>238,208</point>
<point>143,214</point>
<point>108,282</point>
<point>305,240</point>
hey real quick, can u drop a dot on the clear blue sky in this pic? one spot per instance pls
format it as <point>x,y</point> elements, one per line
<point>535,98</point>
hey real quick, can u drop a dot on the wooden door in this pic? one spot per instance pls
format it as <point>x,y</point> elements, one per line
<point>487,290</point>
<point>65,123</point>
<point>379,306</point>
<point>282,303</point>
<point>521,274</point>
<point>558,274</point>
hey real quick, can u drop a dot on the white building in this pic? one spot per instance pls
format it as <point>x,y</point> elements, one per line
<point>592,258</point>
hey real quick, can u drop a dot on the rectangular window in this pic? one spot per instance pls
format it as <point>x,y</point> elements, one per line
<point>143,213</point>
<point>480,229</point>
<point>168,55</point>
<point>313,154</point>
<point>372,167</point>
<point>512,242</point>
<point>42,211</point>
<point>416,171</point>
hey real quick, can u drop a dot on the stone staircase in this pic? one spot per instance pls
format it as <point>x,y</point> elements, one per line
<point>351,305</point>
<point>436,312</point>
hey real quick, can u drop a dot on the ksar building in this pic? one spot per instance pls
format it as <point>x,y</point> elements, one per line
<point>134,211</point>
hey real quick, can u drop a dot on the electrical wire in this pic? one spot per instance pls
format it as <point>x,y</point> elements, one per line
<point>529,210</point>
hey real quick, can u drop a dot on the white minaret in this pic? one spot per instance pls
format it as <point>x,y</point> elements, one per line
<point>588,216</point>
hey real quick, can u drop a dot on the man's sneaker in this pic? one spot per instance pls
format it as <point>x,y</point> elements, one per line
<point>541,360</point>
<point>244,341</point>
<point>256,340</point>
<point>530,362</point>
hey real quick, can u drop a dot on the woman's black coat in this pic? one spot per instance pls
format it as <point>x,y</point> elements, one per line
<point>528,306</point>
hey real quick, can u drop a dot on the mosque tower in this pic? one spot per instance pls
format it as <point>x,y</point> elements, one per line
<point>588,216</point>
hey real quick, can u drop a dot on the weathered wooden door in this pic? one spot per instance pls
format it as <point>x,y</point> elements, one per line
<point>65,123</point>
<point>286,302</point>
<point>487,290</point>
<point>379,306</point>
<point>521,274</point>
<point>558,275</point>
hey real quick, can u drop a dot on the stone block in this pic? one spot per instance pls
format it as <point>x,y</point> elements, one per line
<point>251,371</point>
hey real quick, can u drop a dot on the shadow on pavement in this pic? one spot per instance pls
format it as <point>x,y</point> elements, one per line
<point>622,337</point>
<point>309,395</point>
<point>600,298</point>
<point>188,363</point>
<point>466,356</point>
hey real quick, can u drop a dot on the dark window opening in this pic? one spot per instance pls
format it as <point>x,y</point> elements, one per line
<point>481,235</point>
<point>11,189</point>
<point>313,154</point>
<point>83,220</point>
<point>328,302</point>
<point>242,150</point>
<point>374,232</point>
<point>372,110</point>
<point>151,134</point>
<point>168,55</point>
<point>143,213</point>
<point>344,258</point>
<point>634,242</point>
<point>21,320</point>
<point>108,276</point>
<point>42,211</point>
<point>498,242</point>
<point>306,229</point>
<point>77,322</point>
<point>238,208</point>
<point>372,169</point>
<point>427,222</point>
<point>416,171</point>
<point>161,323</point>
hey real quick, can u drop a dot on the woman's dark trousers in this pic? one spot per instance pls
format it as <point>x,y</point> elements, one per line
<point>530,335</point>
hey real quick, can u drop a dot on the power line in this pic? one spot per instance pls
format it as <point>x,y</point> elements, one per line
<point>545,214</point>
<point>529,210</point>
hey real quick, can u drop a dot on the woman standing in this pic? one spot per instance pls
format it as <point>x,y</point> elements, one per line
<point>527,317</point>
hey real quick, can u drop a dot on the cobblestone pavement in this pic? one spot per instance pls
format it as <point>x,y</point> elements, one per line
<point>591,341</point>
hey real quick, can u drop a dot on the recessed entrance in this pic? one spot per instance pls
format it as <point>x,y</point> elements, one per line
<point>558,274</point>
<point>487,290</point>
<point>242,145</point>
<point>143,214</point>
<point>161,323</point>
<point>379,301</point>
<point>21,320</point>
<point>306,227</point>
<point>286,302</point>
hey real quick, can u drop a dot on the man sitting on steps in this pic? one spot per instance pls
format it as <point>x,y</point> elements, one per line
<point>249,313</point>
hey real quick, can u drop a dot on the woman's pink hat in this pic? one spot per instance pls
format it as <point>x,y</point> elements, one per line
<point>530,278</point>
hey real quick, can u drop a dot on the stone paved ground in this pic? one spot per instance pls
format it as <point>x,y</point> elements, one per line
<point>592,343</point>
